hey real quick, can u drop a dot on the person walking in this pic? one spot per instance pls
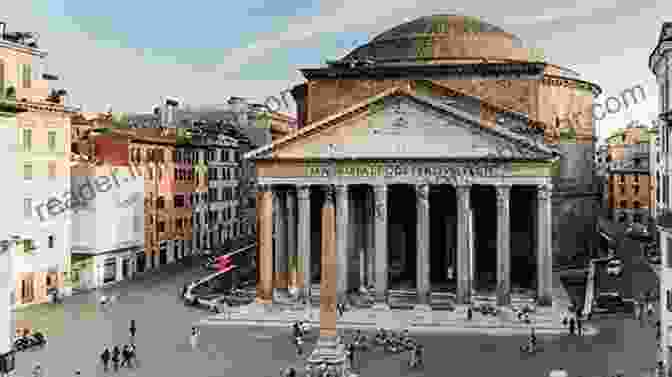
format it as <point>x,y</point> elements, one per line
<point>351,354</point>
<point>579,325</point>
<point>470,314</point>
<point>105,358</point>
<point>125,357</point>
<point>193,339</point>
<point>115,358</point>
<point>37,371</point>
<point>132,330</point>
<point>572,324</point>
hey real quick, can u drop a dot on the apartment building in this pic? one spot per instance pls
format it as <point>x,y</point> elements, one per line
<point>43,134</point>
<point>628,175</point>
<point>660,64</point>
<point>107,227</point>
<point>185,188</point>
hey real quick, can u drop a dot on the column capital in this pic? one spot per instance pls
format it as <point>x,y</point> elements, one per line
<point>544,191</point>
<point>303,192</point>
<point>263,187</point>
<point>379,188</point>
<point>341,188</point>
<point>422,191</point>
<point>503,194</point>
<point>328,195</point>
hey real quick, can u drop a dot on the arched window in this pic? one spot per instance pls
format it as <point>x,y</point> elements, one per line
<point>624,204</point>
<point>635,204</point>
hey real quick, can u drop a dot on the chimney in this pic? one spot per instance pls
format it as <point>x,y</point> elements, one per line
<point>3,28</point>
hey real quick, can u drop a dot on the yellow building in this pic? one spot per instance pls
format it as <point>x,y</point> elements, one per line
<point>43,140</point>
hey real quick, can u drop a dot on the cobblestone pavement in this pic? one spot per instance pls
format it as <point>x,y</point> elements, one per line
<point>78,330</point>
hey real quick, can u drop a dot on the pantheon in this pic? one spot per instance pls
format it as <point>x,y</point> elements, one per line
<point>443,146</point>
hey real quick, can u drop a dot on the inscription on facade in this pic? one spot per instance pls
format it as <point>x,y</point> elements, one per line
<point>410,170</point>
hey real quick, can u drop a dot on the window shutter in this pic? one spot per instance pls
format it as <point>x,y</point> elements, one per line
<point>19,76</point>
<point>27,75</point>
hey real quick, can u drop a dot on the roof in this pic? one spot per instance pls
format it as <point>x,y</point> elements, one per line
<point>452,36</point>
<point>334,119</point>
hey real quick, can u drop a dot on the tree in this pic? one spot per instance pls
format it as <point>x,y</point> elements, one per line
<point>120,120</point>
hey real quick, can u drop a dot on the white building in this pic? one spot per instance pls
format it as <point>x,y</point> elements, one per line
<point>660,63</point>
<point>108,230</point>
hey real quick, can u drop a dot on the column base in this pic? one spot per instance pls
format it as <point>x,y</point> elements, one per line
<point>544,301</point>
<point>381,306</point>
<point>422,308</point>
<point>330,353</point>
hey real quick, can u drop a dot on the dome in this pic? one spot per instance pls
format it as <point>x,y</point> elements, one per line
<point>442,39</point>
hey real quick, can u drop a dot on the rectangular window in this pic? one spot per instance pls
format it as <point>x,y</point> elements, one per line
<point>27,140</point>
<point>52,141</point>
<point>52,170</point>
<point>27,208</point>
<point>161,226</point>
<point>179,201</point>
<point>51,242</point>
<point>668,304</point>
<point>28,172</point>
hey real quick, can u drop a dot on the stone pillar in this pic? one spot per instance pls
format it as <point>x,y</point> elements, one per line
<point>368,219</point>
<point>303,273</point>
<point>265,244</point>
<point>381,257</point>
<point>329,349</point>
<point>422,264</point>
<point>544,245</point>
<point>353,240</point>
<point>463,244</point>
<point>450,242</point>
<point>342,241</point>
<point>503,245</point>
<point>291,237</point>
<point>281,255</point>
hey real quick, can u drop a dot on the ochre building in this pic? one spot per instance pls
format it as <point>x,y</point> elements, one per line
<point>459,162</point>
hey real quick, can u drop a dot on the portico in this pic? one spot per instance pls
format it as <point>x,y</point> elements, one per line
<point>438,187</point>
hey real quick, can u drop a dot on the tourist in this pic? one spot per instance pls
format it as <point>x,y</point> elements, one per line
<point>572,324</point>
<point>132,329</point>
<point>193,339</point>
<point>105,358</point>
<point>115,358</point>
<point>579,325</point>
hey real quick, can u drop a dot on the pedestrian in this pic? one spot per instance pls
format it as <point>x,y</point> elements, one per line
<point>37,371</point>
<point>572,324</point>
<point>638,310</point>
<point>132,329</point>
<point>412,360</point>
<point>565,322</point>
<point>470,314</point>
<point>419,355</point>
<point>105,358</point>
<point>194,338</point>
<point>579,325</point>
<point>115,358</point>
<point>298,343</point>
<point>351,354</point>
<point>125,357</point>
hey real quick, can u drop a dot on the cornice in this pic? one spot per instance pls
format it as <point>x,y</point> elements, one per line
<point>424,71</point>
<point>23,48</point>
<point>567,82</point>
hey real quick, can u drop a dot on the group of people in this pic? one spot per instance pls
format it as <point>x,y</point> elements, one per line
<point>120,357</point>
<point>399,342</point>
<point>574,324</point>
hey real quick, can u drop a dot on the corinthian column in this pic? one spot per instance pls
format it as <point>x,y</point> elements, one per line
<point>544,245</point>
<point>265,244</point>
<point>380,208</point>
<point>503,245</point>
<point>281,256</point>
<point>342,241</point>
<point>303,262</point>
<point>422,264</point>
<point>463,244</point>
<point>329,350</point>
<point>291,237</point>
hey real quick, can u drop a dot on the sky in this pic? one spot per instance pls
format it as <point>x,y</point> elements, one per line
<point>128,54</point>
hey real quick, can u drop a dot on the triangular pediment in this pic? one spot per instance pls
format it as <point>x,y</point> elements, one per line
<point>404,125</point>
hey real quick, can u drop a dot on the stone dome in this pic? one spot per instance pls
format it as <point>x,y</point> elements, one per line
<point>443,39</point>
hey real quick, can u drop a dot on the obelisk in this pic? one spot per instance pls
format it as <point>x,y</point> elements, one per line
<point>329,349</point>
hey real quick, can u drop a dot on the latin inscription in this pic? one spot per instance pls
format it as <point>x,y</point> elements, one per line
<point>403,170</point>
